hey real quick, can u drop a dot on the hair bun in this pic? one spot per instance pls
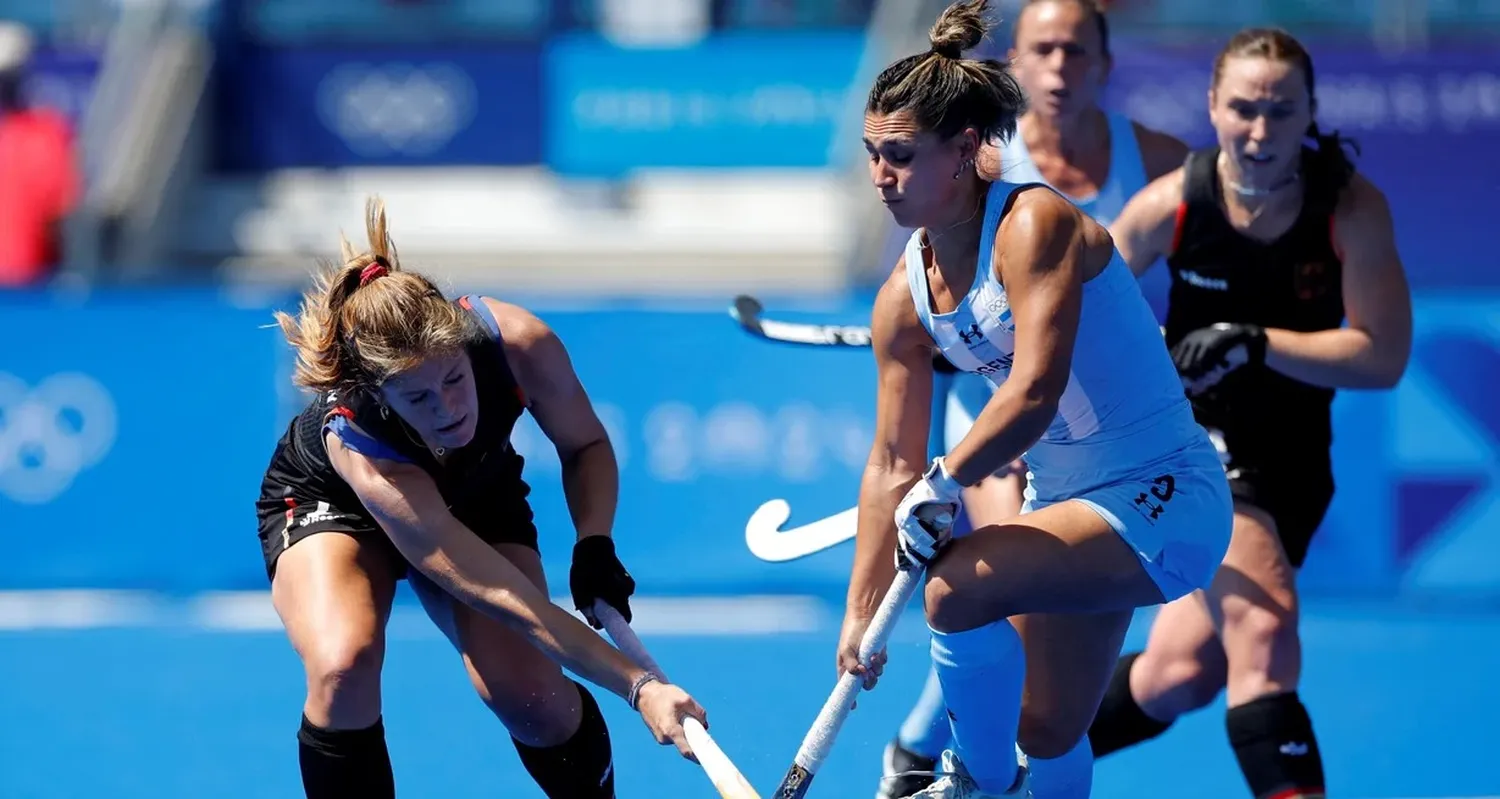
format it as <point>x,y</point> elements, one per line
<point>961,26</point>
<point>953,50</point>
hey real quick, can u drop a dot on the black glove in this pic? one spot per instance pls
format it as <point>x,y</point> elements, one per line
<point>598,574</point>
<point>1207,355</point>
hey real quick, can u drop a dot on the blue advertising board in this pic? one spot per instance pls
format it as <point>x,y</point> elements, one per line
<point>133,428</point>
<point>134,434</point>
<point>381,106</point>
<point>730,100</point>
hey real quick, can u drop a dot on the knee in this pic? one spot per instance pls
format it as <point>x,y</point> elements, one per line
<point>1264,649</point>
<point>1177,685</point>
<point>1045,736</point>
<point>1272,627</point>
<point>951,601</point>
<point>536,712</point>
<point>343,677</point>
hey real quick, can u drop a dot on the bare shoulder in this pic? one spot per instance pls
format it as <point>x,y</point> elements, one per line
<point>893,301</point>
<point>894,325</point>
<point>1160,152</point>
<point>521,329</point>
<point>1044,232</point>
<point>373,479</point>
<point>1362,202</point>
<point>1159,200</point>
<point>1039,213</point>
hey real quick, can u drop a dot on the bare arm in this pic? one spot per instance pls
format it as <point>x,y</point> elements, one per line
<point>1373,349</point>
<point>1043,252</point>
<point>1160,152</point>
<point>903,410</point>
<point>1145,229</point>
<point>407,505</point>
<point>561,407</point>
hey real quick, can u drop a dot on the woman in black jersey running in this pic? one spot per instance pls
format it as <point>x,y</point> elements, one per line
<point>402,467</point>
<point>1273,245</point>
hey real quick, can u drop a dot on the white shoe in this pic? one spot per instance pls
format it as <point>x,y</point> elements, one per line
<point>955,782</point>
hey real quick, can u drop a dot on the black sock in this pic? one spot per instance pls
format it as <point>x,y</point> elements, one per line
<point>345,763</point>
<point>1120,722</point>
<point>1273,740</point>
<point>581,767</point>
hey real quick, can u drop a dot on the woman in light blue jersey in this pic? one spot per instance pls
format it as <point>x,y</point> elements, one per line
<point>1097,160</point>
<point>1127,504</point>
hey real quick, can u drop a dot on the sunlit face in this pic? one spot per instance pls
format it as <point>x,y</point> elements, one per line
<point>1261,111</point>
<point>438,400</point>
<point>913,170</point>
<point>1059,58</point>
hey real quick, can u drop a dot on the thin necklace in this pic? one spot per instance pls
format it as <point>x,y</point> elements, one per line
<point>927,241</point>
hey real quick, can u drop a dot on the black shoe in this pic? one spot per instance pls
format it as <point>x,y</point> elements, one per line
<point>897,767</point>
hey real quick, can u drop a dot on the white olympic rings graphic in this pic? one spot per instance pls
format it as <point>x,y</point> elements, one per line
<point>51,433</point>
<point>397,108</point>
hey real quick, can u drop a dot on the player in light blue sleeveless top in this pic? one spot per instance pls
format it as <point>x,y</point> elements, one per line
<point>1127,505</point>
<point>1095,159</point>
<point>1123,404</point>
<point>968,394</point>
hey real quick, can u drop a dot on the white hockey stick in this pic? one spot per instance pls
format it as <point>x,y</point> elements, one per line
<point>819,741</point>
<point>730,783</point>
<point>767,541</point>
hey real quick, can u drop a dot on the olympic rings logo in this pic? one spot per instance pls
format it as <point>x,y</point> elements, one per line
<point>380,110</point>
<point>51,433</point>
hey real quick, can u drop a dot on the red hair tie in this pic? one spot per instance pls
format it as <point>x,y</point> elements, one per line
<point>372,271</point>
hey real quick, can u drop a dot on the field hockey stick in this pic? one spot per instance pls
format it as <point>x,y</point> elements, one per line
<point>730,783</point>
<point>747,311</point>
<point>768,542</point>
<point>819,741</point>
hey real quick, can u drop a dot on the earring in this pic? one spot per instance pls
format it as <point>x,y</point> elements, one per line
<point>963,166</point>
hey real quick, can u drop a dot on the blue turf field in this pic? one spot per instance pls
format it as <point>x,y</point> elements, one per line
<point>1404,703</point>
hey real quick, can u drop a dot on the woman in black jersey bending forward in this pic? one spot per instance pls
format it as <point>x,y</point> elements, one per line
<point>1273,245</point>
<point>402,466</point>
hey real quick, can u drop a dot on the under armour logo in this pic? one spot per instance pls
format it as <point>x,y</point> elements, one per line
<point>1145,499</point>
<point>1162,488</point>
<point>971,334</point>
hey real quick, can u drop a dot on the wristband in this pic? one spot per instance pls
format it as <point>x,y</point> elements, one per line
<point>635,688</point>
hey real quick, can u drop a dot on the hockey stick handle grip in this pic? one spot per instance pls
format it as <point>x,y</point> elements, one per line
<point>819,740</point>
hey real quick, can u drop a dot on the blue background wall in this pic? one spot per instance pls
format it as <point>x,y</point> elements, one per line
<point>708,423</point>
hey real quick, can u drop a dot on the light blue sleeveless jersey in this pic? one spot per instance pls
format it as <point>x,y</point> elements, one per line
<point>1127,175</point>
<point>1123,409</point>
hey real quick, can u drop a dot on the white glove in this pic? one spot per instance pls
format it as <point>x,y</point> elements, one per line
<point>924,519</point>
